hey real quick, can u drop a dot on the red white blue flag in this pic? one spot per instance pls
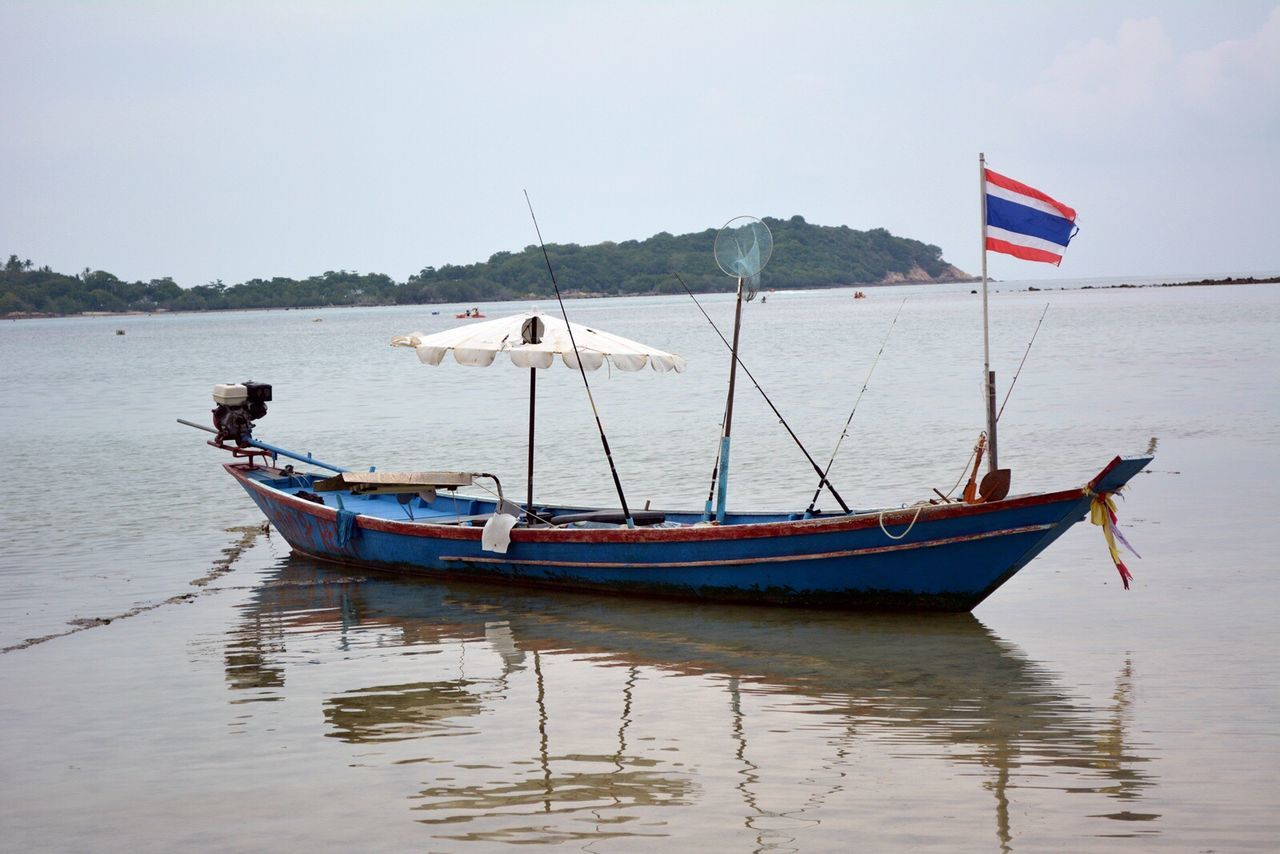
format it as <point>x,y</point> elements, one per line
<point>1026,223</point>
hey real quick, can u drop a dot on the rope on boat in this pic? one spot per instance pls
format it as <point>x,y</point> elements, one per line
<point>919,505</point>
<point>965,468</point>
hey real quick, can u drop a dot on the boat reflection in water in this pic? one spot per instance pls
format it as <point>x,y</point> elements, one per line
<point>539,717</point>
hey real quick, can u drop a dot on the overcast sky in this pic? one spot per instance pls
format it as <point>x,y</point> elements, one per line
<point>235,140</point>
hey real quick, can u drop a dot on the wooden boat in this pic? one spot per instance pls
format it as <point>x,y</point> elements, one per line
<point>944,557</point>
<point>933,556</point>
<point>941,556</point>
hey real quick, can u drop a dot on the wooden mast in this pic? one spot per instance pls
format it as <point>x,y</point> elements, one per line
<point>988,376</point>
<point>722,497</point>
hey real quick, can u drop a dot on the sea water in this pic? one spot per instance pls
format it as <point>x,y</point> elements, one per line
<point>174,677</point>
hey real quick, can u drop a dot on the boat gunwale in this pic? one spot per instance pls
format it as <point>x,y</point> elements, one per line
<point>690,533</point>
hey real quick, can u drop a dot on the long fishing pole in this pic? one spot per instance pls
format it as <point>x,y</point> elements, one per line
<point>849,420</point>
<point>715,468</point>
<point>613,470</point>
<point>1023,362</point>
<point>818,470</point>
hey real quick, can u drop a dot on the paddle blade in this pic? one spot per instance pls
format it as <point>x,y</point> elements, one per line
<point>994,486</point>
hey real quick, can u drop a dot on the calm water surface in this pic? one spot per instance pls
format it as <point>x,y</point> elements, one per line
<point>281,703</point>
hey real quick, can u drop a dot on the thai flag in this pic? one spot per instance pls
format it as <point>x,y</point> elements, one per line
<point>1026,223</point>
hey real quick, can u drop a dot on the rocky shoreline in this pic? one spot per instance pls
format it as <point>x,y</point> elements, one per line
<point>918,276</point>
<point>1230,280</point>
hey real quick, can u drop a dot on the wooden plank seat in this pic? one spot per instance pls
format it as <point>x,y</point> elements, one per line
<point>393,482</point>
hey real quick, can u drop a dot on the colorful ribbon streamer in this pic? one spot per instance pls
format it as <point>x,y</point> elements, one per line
<point>1102,512</point>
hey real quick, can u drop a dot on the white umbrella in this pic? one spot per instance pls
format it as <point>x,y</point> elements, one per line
<point>533,340</point>
<point>478,344</point>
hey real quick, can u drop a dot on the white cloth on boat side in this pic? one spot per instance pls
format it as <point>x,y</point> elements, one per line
<point>477,344</point>
<point>496,535</point>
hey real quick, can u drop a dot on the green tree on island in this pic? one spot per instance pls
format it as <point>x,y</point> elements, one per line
<point>804,256</point>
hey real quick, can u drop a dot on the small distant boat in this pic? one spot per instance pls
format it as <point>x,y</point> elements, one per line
<point>859,295</point>
<point>469,314</point>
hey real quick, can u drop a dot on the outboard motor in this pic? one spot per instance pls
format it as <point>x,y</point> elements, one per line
<point>239,405</point>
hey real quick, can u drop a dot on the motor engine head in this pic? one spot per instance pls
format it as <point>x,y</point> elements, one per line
<point>238,406</point>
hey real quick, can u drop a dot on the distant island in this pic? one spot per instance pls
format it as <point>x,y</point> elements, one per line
<point>805,256</point>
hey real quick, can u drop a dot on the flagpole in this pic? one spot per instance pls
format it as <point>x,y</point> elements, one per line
<point>988,377</point>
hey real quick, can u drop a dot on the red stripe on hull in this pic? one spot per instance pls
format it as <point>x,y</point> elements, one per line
<point>748,531</point>
<point>748,561</point>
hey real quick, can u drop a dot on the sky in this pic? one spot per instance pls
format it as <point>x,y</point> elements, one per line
<point>236,140</point>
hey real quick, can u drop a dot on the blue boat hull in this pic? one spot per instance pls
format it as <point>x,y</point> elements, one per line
<point>950,559</point>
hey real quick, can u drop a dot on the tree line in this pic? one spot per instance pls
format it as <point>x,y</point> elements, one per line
<point>805,255</point>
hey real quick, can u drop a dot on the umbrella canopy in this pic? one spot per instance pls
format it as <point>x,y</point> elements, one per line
<point>478,344</point>
<point>533,340</point>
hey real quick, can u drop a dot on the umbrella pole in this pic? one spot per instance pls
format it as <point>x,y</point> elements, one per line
<point>604,440</point>
<point>728,412</point>
<point>533,399</point>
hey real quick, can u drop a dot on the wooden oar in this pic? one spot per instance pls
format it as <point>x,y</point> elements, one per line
<point>994,486</point>
<point>971,488</point>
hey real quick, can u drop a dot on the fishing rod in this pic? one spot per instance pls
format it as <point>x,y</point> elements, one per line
<point>849,420</point>
<point>715,468</point>
<point>613,470</point>
<point>821,474</point>
<point>1023,362</point>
